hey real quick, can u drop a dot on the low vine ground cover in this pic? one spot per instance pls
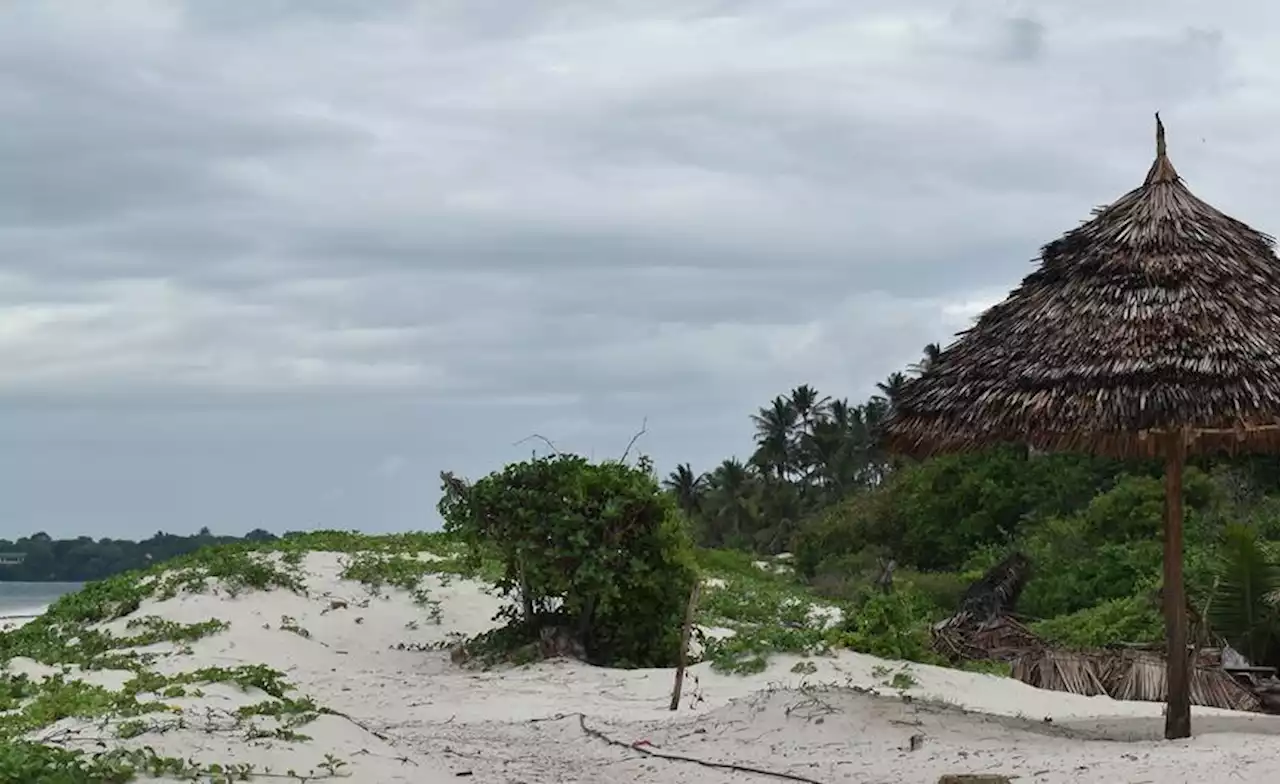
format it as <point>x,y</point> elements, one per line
<point>98,670</point>
<point>124,678</point>
<point>759,608</point>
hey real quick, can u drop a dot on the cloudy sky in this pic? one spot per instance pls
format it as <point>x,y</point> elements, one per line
<point>278,263</point>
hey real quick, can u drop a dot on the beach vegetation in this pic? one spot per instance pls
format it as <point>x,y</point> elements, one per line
<point>1131,619</point>
<point>819,489</point>
<point>69,637</point>
<point>814,543</point>
<point>593,554</point>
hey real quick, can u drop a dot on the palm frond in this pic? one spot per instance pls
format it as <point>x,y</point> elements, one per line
<point>1243,610</point>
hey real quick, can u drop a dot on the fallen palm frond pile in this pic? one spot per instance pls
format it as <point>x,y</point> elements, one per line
<point>1123,674</point>
<point>1004,639</point>
<point>996,594</point>
<point>984,630</point>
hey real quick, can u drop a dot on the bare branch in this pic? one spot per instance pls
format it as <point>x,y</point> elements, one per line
<point>538,437</point>
<point>685,633</point>
<point>777,774</point>
<point>455,489</point>
<point>644,428</point>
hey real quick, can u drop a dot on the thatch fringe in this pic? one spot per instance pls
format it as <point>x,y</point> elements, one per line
<point>1076,673</point>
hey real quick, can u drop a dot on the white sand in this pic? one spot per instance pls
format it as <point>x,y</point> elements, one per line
<point>416,717</point>
<point>14,619</point>
<point>9,622</point>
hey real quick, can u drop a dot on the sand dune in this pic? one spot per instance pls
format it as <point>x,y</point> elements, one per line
<point>396,709</point>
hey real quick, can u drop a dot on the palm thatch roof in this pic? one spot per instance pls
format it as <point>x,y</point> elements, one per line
<point>1159,314</point>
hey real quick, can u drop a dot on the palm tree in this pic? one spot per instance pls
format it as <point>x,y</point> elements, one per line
<point>687,487</point>
<point>931,352</point>
<point>827,452</point>
<point>732,509</point>
<point>893,386</point>
<point>873,415</point>
<point>1243,606</point>
<point>775,430</point>
<point>809,405</point>
<point>840,412</point>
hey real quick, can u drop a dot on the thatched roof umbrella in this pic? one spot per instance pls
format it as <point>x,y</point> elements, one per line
<point>1153,330</point>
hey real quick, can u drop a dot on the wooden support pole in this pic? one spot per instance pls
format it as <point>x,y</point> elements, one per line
<point>685,633</point>
<point>1177,722</point>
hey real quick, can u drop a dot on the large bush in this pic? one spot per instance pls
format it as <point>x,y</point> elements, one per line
<point>933,515</point>
<point>894,626</point>
<point>593,548</point>
<point>950,506</point>
<point>850,534</point>
<point>1133,619</point>
<point>1134,508</point>
<point>1071,573</point>
<point>1112,548</point>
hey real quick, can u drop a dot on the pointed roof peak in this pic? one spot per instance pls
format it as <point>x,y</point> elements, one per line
<point>1162,170</point>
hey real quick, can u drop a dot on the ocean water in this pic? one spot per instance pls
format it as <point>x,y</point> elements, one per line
<point>30,598</point>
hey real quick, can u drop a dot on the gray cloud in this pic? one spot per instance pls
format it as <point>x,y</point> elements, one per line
<point>278,263</point>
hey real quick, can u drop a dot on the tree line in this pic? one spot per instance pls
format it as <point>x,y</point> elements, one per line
<point>812,451</point>
<point>819,485</point>
<point>45,559</point>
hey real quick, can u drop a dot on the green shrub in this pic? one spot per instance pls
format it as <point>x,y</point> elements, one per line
<point>597,548</point>
<point>894,626</point>
<point>848,577</point>
<point>1243,609</point>
<point>845,529</point>
<point>1264,516</point>
<point>1133,509</point>
<point>724,563</point>
<point>851,578</point>
<point>943,590</point>
<point>933,515</point>
<point>1131,619</point>
<point>947,507</point>
<point>1071,572</point>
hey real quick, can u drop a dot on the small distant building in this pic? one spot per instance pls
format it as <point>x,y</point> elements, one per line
<point>12,559</point>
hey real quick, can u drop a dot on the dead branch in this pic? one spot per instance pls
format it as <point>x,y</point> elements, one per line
<point>595,733</point>
<point>538,437</point>
<point>380,736</point>
<point>885,581</point>
<point>811,707</point>
<point>454,488</point>
<point>644,428</point>
<point>685,633</point>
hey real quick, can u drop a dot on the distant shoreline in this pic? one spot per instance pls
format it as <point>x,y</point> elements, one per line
<point>13,621</point>
<point>24,601</point>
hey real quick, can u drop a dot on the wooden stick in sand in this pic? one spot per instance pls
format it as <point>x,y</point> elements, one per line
<point>685,633</point>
